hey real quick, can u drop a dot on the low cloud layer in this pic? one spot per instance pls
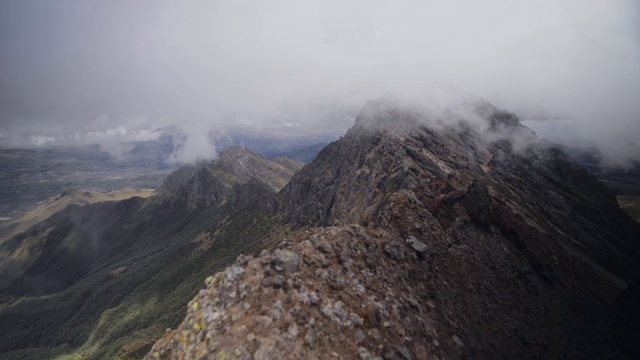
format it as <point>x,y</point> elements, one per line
<point>82,71</point>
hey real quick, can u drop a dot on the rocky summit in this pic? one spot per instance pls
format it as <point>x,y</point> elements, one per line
<point>238,176</point>
<point>422,233</point>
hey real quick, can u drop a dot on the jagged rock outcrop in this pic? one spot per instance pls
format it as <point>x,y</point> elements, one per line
<point>238,176</point>
<point>460,235</point>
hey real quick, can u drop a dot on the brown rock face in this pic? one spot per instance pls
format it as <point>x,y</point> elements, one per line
<point>456,239</point>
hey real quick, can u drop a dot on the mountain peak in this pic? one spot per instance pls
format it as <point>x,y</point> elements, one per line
<point>384,114</point>
<point>483,164</point>
<point>235,153</point>
<point>204,184</point>
<point>245,164</point>
<point>391,146</point>
<point>401,116</point>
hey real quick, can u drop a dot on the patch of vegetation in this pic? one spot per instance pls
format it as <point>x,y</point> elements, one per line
<point>105,315</point>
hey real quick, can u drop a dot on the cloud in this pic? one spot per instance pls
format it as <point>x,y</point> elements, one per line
<point>204,65</point>
<point>192,143</point>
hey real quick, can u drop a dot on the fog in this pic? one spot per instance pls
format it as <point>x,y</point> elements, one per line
<point>75,72</point>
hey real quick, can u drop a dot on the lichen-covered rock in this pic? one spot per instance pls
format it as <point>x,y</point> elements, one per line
<point>286,260</point>
<point>280,306</point>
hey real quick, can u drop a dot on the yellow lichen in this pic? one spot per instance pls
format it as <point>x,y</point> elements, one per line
<point>223,355</point>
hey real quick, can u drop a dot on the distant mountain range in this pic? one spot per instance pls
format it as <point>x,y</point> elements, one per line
<point>415,235</point>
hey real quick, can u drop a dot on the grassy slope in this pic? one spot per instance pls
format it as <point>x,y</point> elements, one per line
<point>21,245</point>
<point>630,204</point>
<point>45,209</point>
<point>116,314</point>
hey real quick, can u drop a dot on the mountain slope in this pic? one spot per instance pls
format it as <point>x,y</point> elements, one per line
<point>19,249</point>
<point>460,235</point>
<point>236,173</point>
<point>112,276</point>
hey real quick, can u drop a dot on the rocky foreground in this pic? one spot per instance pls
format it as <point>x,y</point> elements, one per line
<point>350,292</point>
<point>338,292</point>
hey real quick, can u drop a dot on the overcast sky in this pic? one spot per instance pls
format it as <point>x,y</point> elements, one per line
<point>82,71</point>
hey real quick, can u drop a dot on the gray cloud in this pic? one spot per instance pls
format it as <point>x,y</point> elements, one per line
<point>69,69</point>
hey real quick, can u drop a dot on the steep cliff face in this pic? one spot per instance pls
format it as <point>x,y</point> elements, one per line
<point>460,234</point>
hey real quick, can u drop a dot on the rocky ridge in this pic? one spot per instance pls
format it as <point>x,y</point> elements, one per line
<point>497,175</point>
<point>452,239</point>
<point>350,292</point>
